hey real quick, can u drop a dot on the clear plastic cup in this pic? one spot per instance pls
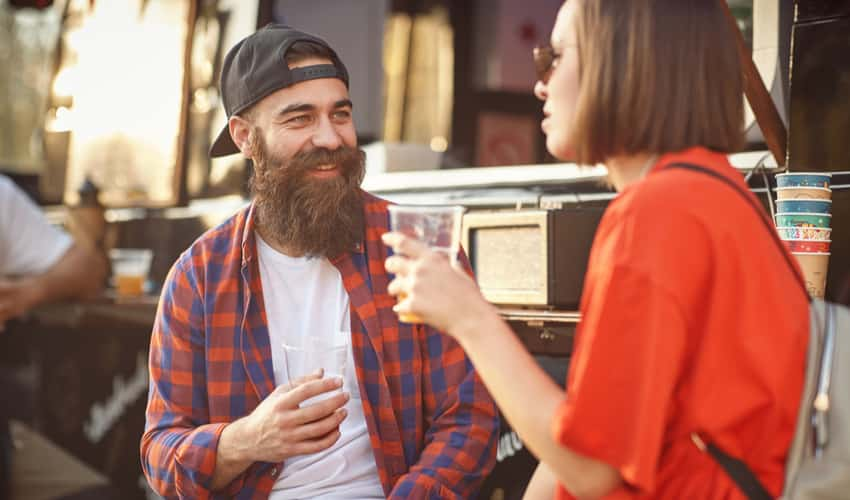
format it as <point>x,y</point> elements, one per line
<point>436,226</point>
<point>130,269</point>
<point>306,355</point>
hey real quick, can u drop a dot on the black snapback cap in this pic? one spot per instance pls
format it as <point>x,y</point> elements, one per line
<point>256,66</point>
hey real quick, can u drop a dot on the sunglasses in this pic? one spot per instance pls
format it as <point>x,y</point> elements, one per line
<point>544,57</point>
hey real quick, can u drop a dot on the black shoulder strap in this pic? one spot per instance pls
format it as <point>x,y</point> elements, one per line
<point>738,470</point>
<point>740,473</point>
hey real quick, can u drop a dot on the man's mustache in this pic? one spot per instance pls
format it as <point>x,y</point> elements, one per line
<point>345,158</point>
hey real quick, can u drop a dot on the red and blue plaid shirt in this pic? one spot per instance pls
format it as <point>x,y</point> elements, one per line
<point>432,424</point>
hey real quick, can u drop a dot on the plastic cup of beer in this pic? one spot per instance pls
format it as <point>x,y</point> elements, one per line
<point>438,227</point>
<point>304,356</point>
<point>130,268</point>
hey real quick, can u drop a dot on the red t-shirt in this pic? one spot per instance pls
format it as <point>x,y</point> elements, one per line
<point>692,321</point>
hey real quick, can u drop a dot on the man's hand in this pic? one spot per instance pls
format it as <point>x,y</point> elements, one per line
<point>282,429</point>
<point>17,297</point>
<point>279,428</point>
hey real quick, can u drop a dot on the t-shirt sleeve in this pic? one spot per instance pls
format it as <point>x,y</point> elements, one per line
<point>28,243</point>
<point>627,359</point>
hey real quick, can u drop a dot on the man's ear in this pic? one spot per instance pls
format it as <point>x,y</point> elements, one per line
<point>240,130</point>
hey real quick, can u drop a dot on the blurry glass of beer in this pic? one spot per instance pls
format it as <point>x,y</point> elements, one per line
<point>130,268</point>
<point>436,226</point>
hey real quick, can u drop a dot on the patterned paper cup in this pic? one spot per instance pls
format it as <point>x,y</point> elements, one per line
<point>804,233</point>
<point>808,193</point>
<point>807,246</point>
<point>814,267</point>
<point>807,179</point>
<point>803,220</point>
<point>804,206</point>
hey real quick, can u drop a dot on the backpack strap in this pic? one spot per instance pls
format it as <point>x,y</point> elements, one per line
<point>738,470</point>
<point>740,473</point>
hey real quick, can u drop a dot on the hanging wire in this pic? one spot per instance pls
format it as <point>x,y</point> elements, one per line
<point>760,168</point>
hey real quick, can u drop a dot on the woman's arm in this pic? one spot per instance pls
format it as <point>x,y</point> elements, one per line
<point>529,399</point>
<point>542,484</point>
<point>447,298</point>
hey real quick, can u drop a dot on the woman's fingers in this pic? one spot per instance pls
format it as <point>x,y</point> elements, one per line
<point>404,245</point>
<point>420,278</point>
<point>397,265</point>
<point>402,306</point>
<point>397,286</point>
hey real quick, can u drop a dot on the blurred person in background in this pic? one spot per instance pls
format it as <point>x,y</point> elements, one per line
<point>39,264</point>
<point>303,259</point>
<point>694,327</point>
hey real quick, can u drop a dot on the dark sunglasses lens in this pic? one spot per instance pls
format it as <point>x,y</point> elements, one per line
<point>543,58</point>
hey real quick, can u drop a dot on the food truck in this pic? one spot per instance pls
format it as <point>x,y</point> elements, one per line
<point>447,118</point>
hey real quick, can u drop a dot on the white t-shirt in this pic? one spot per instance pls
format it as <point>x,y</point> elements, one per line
<point>28,243</point>
<point>305,296</point>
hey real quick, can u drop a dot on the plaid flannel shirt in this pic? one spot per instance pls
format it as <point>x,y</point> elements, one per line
<point>432,424</point>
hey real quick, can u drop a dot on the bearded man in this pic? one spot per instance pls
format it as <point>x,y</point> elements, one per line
<point>303,260</point>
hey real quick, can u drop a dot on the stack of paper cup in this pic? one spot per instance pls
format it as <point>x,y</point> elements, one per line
<point>804,223</point>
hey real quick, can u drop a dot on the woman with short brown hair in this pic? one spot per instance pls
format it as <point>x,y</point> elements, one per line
<point>652,86</point>
<point>693,330</point>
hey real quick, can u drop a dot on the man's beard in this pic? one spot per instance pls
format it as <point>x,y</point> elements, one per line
<point>317,217</point>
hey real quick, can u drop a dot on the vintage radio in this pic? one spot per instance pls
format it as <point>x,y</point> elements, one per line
<point>531,257</point>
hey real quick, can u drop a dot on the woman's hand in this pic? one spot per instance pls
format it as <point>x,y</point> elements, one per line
<point>430,287</point>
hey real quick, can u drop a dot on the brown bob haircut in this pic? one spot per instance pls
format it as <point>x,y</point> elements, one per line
<point>656,76</point>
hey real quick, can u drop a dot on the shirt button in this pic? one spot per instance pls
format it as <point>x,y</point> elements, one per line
<point>273,472</point>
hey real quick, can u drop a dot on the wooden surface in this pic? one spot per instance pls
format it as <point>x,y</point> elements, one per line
<point>104,311</point>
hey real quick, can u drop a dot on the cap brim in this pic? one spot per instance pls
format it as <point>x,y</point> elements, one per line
<point>223,144</point>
